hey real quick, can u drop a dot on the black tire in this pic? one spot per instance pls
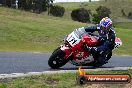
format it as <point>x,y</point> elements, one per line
<point>107,58</point>
<point>56,49</point>
<point>57,60</point>
<point>81,80</point>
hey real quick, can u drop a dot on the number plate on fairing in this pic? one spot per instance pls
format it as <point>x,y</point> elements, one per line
<point>73,39</point>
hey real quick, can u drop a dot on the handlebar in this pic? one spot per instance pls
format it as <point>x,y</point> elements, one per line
<point>92,34</point>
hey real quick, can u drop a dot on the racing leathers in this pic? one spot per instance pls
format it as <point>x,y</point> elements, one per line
<point>107,43</point>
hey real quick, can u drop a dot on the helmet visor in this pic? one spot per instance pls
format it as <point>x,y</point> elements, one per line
<point>104,29</point>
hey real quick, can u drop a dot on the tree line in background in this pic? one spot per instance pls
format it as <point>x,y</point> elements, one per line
<point>79,14</point>
<point>83,15</point>
<point>36,6</point>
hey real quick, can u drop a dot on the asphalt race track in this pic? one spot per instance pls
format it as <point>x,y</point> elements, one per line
<point>23,62</point>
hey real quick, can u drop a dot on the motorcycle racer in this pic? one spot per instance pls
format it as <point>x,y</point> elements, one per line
<point>106,37</point>
<point>87,46</point>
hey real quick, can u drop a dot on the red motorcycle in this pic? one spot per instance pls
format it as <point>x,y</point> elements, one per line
<point>72,52</point>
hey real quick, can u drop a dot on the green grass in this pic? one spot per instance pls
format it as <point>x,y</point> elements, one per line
<point>125,36</point>
<point>24,31</point>
<point>65,80</point>
<point>115,6</point>
<point>124,25</point>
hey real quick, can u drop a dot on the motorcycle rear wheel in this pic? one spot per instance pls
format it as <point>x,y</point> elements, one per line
<point>108,56</point>
<point>57,60</point>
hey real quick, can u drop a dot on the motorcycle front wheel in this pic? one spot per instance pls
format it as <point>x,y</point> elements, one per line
<point>57,60</point>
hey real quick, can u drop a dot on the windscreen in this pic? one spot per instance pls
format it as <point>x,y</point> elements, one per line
<point>79,32</point>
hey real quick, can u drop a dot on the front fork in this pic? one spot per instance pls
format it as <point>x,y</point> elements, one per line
<point>67,50</point>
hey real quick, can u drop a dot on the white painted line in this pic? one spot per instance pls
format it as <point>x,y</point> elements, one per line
<point>14,75</point>
<point>123,55</point>
<point>37,52</point>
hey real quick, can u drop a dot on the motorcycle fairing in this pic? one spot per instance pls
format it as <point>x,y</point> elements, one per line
<point>80,56</point>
